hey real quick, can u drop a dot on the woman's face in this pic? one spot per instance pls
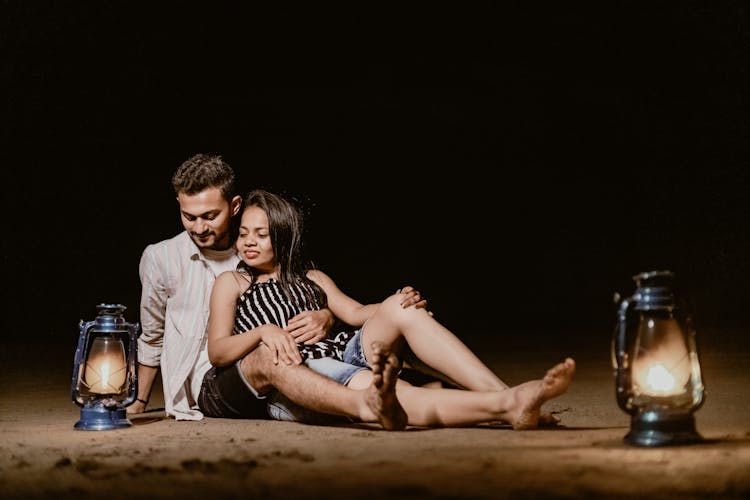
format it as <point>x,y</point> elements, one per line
<point>254,241</point>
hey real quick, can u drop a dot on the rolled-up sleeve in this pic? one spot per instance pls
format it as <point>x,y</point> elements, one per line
<point>153,308</point>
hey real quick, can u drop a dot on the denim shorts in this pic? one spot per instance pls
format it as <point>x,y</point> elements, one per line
<point>342,371</point>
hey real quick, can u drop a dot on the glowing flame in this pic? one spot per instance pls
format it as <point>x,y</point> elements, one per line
<point>105,373</point>
<point>106,369</point>
<point>662,364</point>
<point>659,380</point>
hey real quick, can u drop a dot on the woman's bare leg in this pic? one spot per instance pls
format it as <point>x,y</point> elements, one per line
<point>431,342</point>
<point>520,405</point>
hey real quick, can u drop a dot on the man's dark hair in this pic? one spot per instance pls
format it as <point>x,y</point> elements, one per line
<point>203,171</point>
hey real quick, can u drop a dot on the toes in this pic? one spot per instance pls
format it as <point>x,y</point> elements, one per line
<point>393,360</point>
<point>378,347</point>
<point>548,420</point>
<point>571,365</point>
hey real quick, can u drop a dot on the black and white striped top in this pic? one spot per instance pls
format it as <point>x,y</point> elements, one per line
<point>264,303</point>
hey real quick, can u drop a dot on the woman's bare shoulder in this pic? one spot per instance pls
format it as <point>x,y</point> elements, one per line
<point>236,280</point>
<point>317,275</point>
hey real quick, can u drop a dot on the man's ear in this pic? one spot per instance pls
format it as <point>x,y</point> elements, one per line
<point>236,204</point>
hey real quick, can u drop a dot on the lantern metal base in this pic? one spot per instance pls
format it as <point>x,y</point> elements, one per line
<point>651,428</point>
<point>98,418</point>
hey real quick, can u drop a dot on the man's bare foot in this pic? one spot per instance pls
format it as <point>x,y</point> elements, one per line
<point>381,395</point>
<point>530,396</point>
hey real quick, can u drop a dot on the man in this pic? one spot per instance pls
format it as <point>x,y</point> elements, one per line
<point>176,278</point>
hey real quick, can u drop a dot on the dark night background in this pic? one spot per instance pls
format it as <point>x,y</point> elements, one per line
<point>515,161</point>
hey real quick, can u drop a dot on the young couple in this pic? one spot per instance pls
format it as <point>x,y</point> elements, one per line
<point>263,351</point>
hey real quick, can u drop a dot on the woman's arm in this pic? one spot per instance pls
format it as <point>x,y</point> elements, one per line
<point>354,313</point>
<point>341,305</point>
<point>224,348</point>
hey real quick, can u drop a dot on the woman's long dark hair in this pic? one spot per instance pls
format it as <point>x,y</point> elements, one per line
<point>285,225</point>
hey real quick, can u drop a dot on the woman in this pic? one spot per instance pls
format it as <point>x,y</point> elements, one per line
<point>276,283</point>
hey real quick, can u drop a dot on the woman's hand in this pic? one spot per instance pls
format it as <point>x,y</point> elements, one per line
<point>309,327</point>
<point>411,297</point>
<point>282,346</point>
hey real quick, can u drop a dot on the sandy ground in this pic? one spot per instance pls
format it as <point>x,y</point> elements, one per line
<point>42,456</point>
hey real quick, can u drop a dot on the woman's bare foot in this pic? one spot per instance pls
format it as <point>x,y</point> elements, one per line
<point>530,396</point>
<point>381,395</point>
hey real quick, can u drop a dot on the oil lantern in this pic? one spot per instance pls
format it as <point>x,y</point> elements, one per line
<point>657,369</point>
<point>104,370</point>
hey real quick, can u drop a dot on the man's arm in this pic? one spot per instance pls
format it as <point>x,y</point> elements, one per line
<point>153,309</point>
<point>146,377</point>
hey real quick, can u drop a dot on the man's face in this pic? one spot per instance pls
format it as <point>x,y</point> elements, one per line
<point>206,217</point>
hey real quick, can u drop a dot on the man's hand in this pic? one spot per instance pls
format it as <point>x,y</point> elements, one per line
<point>146,377</point>
<point>309,327</point>
<point>135,408</point>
